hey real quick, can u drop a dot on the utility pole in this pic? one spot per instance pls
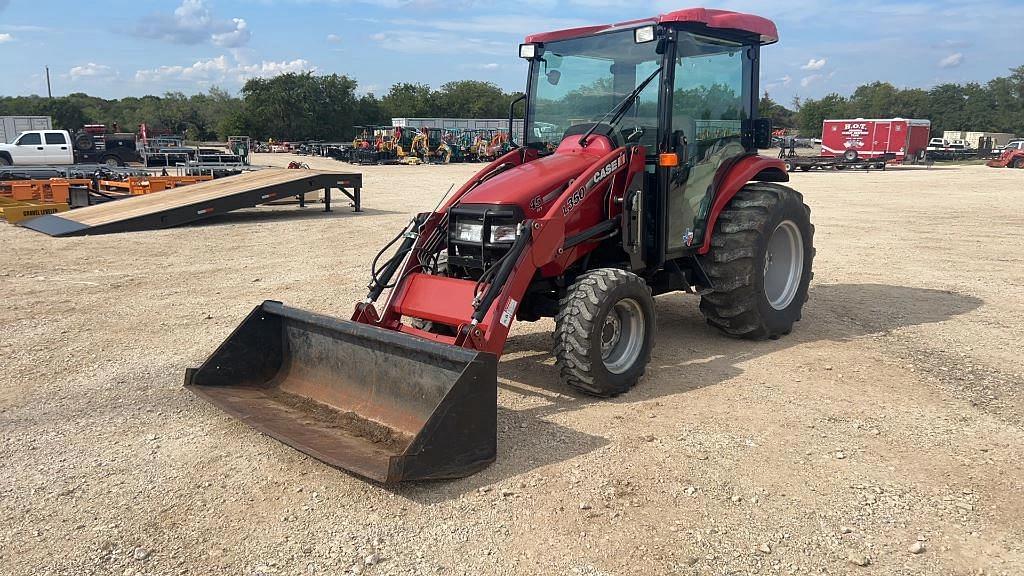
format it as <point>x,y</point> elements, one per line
<point>49,92</point>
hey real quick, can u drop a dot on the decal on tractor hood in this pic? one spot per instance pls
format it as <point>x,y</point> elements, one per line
<point>577,197</point>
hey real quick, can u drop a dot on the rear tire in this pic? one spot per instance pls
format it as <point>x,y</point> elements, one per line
<point>760,262</point>
<point>112,161</point>
<point>604,332</point>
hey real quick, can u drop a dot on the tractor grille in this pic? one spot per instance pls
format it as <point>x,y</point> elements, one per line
<point>479,235</point>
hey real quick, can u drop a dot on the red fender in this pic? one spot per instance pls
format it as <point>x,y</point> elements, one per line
<point>744,170</point>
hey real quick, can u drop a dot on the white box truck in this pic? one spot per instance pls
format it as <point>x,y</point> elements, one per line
<point>12,126</point>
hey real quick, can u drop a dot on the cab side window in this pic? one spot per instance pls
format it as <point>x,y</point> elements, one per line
<point>709,105</point>
<point>56,138</point>
<point>32,139</point>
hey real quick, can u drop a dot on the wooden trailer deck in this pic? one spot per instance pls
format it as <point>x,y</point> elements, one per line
<point>197,201</point>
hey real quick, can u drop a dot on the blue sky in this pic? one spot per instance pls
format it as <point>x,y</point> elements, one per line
<point>118,48</point>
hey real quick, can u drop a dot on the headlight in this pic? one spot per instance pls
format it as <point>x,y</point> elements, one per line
<point>503,233</point>
<point>468,231</point>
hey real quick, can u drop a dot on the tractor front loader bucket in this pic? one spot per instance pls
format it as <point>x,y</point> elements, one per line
<point>378,403</point>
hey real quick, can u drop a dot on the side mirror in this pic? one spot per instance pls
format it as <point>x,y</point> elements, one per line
<point>511,121</point>
<point>553,77</point>
<point>762,133</point>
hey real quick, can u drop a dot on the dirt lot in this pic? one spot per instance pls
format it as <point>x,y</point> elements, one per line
<point>891,415</point>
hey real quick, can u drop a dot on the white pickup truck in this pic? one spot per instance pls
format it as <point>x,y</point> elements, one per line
<point>46,147</point>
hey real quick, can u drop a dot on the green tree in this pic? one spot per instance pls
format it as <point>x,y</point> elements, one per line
<point>780,116</point>
<point>407,100</point>
<point>813,112</point>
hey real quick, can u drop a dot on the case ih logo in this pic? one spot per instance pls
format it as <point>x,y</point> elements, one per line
<point>855,133</point>
<point>577,196</point>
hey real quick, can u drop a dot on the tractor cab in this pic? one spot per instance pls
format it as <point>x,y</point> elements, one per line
<point>684,88</point>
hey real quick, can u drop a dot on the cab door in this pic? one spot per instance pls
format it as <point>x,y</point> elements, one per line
<point>58,149</point>
<point>710,103</point>
<point>30,149</point>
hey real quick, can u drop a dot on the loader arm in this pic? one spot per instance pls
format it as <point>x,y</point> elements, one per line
<point>482,315</point>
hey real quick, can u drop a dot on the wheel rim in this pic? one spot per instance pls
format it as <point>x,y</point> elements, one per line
<point>111,162</point>
<point>622,336</point>
<point>783,265</point>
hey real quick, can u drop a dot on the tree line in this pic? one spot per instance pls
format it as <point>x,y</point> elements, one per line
<point>287,107</point>
<point>995,106</point>
<point>327,107</point>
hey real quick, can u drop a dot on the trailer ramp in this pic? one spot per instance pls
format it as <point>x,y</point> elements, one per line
<point>194,202</point>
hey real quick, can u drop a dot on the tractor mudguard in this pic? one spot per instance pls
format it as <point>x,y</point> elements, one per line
<point>746,169</point>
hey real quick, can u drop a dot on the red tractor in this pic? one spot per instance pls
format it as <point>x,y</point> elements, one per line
<point>638,175</point>
<point>1011,157</point>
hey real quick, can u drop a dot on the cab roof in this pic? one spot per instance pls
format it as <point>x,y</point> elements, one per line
<point>718,19</point>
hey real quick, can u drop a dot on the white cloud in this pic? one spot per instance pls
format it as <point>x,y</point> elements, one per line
<point>91,70</point>
<point>783,82</point>
<point>233,38</point>
<point>193,23</point>
<point>220,69</point>
<point>6,38</point>
<point>439,43</point>
<point>952,61</point>
<point>813,64</point>
<point>489,66</point>
<point>808,80</point>
<point>334,38</point>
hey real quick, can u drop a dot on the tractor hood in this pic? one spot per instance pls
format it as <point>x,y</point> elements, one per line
<point>531,186</point>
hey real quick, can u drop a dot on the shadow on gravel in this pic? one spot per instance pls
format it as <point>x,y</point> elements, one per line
<point>688,355</point>
<point>269,214</point>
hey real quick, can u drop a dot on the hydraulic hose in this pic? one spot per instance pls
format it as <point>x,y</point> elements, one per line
<point>504,271</point>
<point>380,277</point>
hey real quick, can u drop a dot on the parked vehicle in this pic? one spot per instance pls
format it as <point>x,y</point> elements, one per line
<point>942,149</point>
<point>862,139</point>
<point>38,147</point>
<point>12,126</point>
<point>1015,144</point>
<point>1010,158</point>
<point>634,195</point>
<point>59,148</point>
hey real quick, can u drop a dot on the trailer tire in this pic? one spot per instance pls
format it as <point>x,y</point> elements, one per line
<point>762,250</point>
<point>604,332</point>
<point>850,155</point>
<point>111,161</point>
<point>788,165</point>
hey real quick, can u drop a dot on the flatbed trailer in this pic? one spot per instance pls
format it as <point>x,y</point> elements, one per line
<point>807,163</point>
<point>198,201</point>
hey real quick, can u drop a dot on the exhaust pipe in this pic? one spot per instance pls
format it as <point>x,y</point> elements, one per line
<point>378,403</point>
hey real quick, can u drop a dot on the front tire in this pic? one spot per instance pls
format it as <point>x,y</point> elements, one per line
<point>1018,163</point>
<point>604,332</point>
<point>4,161</point>
<point>760,262</point>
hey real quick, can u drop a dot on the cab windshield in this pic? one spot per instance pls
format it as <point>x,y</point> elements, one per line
<point>577,81</point>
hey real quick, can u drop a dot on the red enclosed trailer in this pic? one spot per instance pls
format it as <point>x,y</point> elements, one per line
<point>866,139</point>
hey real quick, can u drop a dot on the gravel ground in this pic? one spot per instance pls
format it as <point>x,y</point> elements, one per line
<point>883,436</point>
